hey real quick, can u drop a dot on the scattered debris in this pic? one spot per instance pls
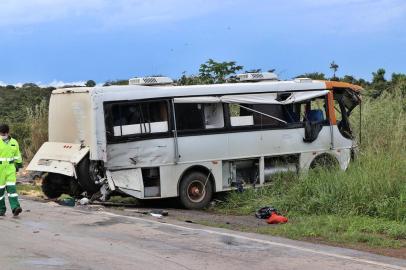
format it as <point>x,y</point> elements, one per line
<point>159,212</point>
<point>265,212</point>
<point>271,214</point>
<point>156,215</point>
<point>67,202</point>
<point>276,219</point>
<point>84,201</point>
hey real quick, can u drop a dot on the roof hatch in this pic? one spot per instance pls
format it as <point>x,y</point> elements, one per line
<point>150,81</point>
<point>258,76</point>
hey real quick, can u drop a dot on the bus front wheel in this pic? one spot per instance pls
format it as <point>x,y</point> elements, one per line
<point>195,191</point>
<point>86,172</point>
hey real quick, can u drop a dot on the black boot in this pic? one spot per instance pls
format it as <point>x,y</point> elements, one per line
<point>17,211</point>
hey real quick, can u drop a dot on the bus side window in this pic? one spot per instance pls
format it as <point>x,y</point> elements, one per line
<point>194,116</point>
<point>257,115</point>
<point>240,115</point>
<point>139,118</point>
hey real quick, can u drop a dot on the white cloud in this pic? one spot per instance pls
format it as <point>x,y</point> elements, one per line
<point>54,83</point>
<point>103,12</point>
<point>349,15</point>
<point>28,12</point>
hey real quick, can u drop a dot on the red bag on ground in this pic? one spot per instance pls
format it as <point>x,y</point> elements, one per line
<point>276,219</point>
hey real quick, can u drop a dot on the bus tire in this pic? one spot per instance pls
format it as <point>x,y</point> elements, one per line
<point>195,190</point>
<point>84,178</point>
<point>53,185</point>
<point>75,190</point>
<point>324,161</point>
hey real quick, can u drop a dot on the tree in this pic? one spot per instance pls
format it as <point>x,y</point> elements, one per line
<point>255,70</point>
<point>334,67</point>
<point>349,79</point>
<point>10,86</point>
<point>378,76</point>
<point>379,83</point>
<point>90,83</point>
<point>217,72</point>
<point>116,82</point>
<point>30,85</point>
<point>313,75</point>
<point>398,78</point>
<point>189,79</point>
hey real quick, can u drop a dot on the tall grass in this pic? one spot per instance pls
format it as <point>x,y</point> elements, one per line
<point>374,184</point>
<point>33,131</point>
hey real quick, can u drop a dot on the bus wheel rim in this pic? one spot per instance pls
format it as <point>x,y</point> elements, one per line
<point>196,191</point>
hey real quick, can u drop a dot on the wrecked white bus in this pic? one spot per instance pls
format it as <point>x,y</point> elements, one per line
<point>152,139</point>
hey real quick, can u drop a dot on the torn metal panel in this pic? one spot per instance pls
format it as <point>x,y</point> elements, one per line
<point>128,179</point>
<point>140,153</point>
<point>203,99</point>
<point>266,98</point>
<point>272,98</point>
<point>58,158</point>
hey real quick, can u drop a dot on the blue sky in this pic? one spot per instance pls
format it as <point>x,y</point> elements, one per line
<point>63,41</point>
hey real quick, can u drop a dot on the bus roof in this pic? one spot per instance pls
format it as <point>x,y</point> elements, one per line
<point>144,92</point>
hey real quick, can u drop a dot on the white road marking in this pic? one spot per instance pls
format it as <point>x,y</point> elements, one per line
<point>345,257</point>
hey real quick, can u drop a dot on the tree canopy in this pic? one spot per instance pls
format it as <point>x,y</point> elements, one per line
<point>90,83</point>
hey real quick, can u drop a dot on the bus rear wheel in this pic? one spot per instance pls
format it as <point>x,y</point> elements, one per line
<point>54,185</point>
<point>325,161</point>
<point>195,191</point>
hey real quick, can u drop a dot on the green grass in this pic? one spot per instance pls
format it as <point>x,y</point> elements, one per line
<point>30,190</point>
<point>365,204</point>
<point>345,230</point>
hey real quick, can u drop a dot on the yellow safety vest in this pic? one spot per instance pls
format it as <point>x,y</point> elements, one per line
<point>10,152</point>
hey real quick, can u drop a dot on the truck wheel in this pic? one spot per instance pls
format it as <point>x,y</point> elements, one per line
<point>53,185</point>
<point>193,192</point>
<point>85,179</point>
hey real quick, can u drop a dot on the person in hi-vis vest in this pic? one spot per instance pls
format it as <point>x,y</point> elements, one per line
<point>10,163</point>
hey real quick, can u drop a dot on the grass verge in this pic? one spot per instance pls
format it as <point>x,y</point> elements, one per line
<point>346,230</point>
<point>364,205</point>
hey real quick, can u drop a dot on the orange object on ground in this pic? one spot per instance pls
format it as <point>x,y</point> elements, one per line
<point>276,219</point>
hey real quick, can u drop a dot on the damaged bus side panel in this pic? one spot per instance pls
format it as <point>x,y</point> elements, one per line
<point>159,142</point>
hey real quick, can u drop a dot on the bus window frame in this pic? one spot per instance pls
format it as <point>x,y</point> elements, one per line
<point>111,139</point>
<point>294,125</point>
<point>202,131</point>
<point>227,128</point>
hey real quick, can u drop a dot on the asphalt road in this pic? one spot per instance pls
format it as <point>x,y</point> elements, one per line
<point>48,236</point>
